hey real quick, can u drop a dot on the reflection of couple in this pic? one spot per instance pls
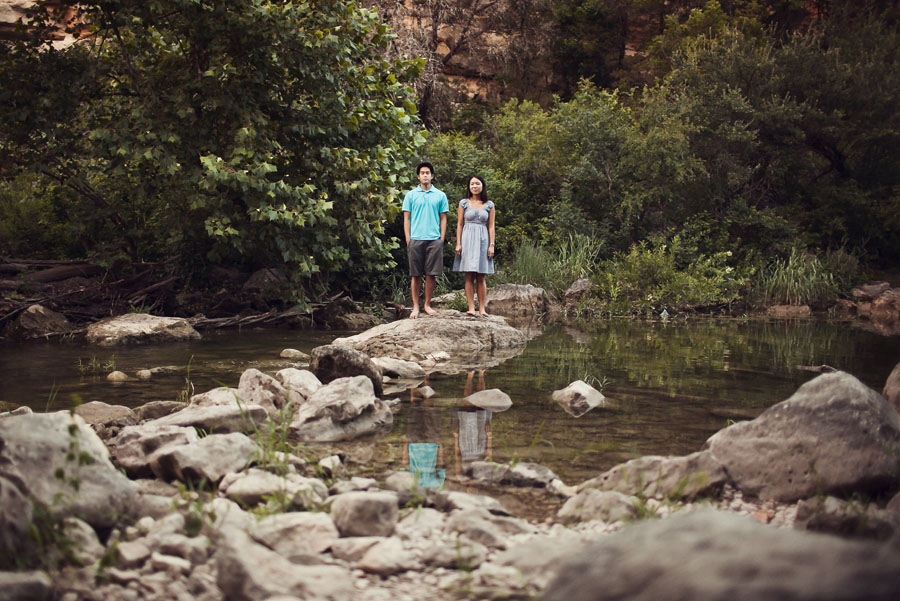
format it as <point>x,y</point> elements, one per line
<point>423,451</point>
<point>471,428</point>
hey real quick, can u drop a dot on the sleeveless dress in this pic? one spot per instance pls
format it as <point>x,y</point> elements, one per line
<point>474,240</point>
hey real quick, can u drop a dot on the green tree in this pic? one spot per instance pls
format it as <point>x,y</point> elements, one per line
<point>265,132</point>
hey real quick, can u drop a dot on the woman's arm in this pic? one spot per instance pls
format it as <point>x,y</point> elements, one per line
<point>460,219</point>
<point>491,215</point>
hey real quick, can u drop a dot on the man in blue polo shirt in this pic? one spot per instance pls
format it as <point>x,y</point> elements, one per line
<point>425,211</point>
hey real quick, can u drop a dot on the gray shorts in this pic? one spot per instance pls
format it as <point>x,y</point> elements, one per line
<point>426,257</point>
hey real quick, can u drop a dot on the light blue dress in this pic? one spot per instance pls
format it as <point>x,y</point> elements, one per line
<point>474,240</point>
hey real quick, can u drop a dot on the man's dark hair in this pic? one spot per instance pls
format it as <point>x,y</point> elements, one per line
<point>419,168</point>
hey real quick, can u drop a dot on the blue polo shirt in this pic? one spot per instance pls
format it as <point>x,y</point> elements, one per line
<point>425,210</point>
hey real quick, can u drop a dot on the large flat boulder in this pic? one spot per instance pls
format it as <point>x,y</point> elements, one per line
<point>470,342</point>
<point>833,436</point>
<point>711,555</point>
<point>135,328</point>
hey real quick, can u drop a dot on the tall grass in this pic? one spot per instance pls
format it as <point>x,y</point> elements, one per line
<point>554,268</point>
<point>800,279</point>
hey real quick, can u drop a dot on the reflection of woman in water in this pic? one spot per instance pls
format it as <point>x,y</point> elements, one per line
<point>423,451</point>
<point>471,428</point>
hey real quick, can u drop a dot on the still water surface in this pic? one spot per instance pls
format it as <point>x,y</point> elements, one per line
<point>670,385</point>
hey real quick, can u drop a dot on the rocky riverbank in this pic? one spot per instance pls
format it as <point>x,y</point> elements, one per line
<point>217,499</point>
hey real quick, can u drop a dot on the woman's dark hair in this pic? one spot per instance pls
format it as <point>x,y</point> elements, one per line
<point>484,196</point>
<point>419,168</point>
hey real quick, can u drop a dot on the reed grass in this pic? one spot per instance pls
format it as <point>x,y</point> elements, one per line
<point>799,279</point>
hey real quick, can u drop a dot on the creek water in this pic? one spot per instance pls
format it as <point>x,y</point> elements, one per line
<point>669,386</point>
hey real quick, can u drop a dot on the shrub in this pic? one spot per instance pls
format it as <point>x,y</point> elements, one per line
<point>798,280</point>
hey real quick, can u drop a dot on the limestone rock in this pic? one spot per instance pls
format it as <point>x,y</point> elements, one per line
<point>216,418</point>
<point>387,557</point>
<point>789,311</point>
<point>658,477</point>
<point>37,321</point>
<point>493,399</point>
<point>711,556</point>
<point>578,398</point>
<point>421,522</point>
<point>290,353</point>
<point>248,571</point>
<point>469,343</point>
<point>301,381</point>
<point>257,388</point>
<point>136,447</point>
<point>25,586</point>
<point>483,527</point>
<point>846,518</point>
<point>15,519</point>
<point>98,413</point>
<point>341,410</point>
<point>604,505</point>
<point>834,435</point>
<point>463,554</point>
<point>891,390</point>
<point>135,328</point>
<point>870,291</point>
<point>522,473</point>
<point>255,485</point>
<point>296,535</point>
<point>330,362</point>
<point>516,300</point>
<point>577,291</point>
<point>208,459</point>
<point>157,409</point>
<point>33,451</point>
<point>398,368</point>
<point>365,514</point>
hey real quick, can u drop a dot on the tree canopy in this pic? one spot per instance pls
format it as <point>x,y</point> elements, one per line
<point>256,132</point>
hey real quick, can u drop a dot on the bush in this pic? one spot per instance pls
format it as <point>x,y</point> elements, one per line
<point>650,279</point>
<point>553,268</point>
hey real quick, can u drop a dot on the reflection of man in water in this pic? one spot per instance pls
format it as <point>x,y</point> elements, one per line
<point>423,451</point>
<point>471,428</point>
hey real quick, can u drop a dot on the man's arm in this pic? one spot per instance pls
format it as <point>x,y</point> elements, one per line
<point>406,226</point>
<point>443,227</point>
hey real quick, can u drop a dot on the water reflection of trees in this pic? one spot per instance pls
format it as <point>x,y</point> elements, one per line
<point>683,357</point>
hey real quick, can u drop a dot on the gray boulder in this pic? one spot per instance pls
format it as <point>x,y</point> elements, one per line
<point>249,571</point>
<point>330,362</point>
<point>517,300</point>
<point>216,418</point>
<point>675,478</point>
<point>523,473</point>
<point>25,586</point>
<point>365,513</point>
<point>891,390</point>
<point>399,368</point>
<point>15,518</point>
<point>256,485</point>
<point>846,518</point>
<point>33,455</point>
<point>492,398</point>
<point>97,413</point>
<point>261,389</point>
<point>470,343</point>
<point>386,557</point>
<point>344,409</point>
<point>296,535</point>
<point>484,527</point>
<point>833,436</point>
<point>712,556</point>
<point>134,328</point>
<point>136,447</point>
<point>37,321</point>
<point>603,505</point>
<point>578,398</point>
<point>301,381</point>
<point>210,458</point>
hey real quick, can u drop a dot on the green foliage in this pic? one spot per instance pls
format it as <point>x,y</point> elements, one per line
<point>33,220</point>
<point>263,132</point>
<point>650,278</point>
<point>798,280</point>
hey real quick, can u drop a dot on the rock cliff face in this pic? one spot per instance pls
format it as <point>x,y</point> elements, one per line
<point>13,10</point>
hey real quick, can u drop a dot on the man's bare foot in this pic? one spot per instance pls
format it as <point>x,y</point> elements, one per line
<point>471,312</point>
<point>415,313</point>
<point>430,311</point>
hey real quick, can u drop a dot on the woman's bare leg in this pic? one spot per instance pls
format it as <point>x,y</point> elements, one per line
<point>482,294</point>
<point>470,292</point>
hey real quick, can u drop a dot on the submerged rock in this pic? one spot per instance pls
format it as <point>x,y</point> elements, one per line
<point>330,362</point>
<point>578,398</point>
